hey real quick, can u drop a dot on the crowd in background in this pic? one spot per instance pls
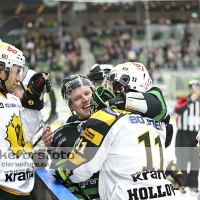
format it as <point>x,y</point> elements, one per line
<point>111,42</point>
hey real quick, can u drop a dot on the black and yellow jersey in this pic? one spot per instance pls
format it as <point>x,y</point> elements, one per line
<point>97,127</point>
<point>117,144</point>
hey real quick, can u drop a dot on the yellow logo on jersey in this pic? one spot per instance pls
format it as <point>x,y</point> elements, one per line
<point>15,135</point>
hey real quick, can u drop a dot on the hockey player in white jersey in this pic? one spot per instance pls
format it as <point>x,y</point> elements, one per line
<point>17,168</point>
<point>16,172</point>
<point>127,148</point>
<point>28,116</point>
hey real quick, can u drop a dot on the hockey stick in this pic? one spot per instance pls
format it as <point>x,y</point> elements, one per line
<point>52,117</point>
<point>9,25</point>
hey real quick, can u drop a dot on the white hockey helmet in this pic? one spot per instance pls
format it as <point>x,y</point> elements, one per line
<point>29,74</point>
<point>132,76</point>
<point>10,56</point>
<point>194,84</point>
<point>98,71</point>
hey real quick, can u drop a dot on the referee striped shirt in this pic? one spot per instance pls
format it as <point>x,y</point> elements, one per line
<point>188,114</point>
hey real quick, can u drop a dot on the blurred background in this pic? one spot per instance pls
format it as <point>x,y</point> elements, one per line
<point>68,37</point>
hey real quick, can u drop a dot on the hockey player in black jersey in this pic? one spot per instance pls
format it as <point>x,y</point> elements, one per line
<point>95,137</point>
<point>48,135</point>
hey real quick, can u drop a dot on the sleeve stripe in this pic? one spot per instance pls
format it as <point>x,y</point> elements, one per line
<point>75,158</point>
<point>106,117</point>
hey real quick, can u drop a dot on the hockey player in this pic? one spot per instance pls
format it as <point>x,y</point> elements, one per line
<point>76,90</point>
<point>28,116</point>
<point>151,103</point>
<point>98,74</point>
<point>17,168</point>
<point>47,135</point>
<point>123,147</point>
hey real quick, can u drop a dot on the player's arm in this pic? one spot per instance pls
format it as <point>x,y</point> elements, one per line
<point>182,105</point>
<point>150,104</point>
<point>91,149</point>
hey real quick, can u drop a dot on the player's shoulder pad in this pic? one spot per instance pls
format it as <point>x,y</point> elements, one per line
<point>66,125</point>
<point>156,89</point>
<point>107,116</point>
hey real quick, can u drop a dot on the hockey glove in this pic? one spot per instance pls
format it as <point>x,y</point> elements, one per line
<point>33,96</point>
<point>61,174</point>
<point>99,96</point>
<point>174,175</point>
<point>62,177</point>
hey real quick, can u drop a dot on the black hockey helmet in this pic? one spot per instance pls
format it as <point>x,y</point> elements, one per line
<point>71,83</point>
<point>98,71</point>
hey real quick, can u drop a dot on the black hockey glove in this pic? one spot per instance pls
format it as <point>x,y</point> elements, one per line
<point>33,96</point>
<point>99,96</point>
<point>118,101</point>
<point>174,175</point>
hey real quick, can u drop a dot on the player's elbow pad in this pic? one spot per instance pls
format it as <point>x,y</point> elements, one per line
<point>135,102</point>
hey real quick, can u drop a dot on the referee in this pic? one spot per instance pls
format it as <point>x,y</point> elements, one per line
<point>188,125</point>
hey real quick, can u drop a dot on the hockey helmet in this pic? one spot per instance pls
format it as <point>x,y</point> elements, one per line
<point>71,83</point>
<point>194,83</point>
<point>98,71</point>
<point>132,76</point>
<point>11,56</point>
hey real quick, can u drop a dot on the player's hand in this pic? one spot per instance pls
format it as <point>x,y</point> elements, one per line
<point>174,175</point>
<point>47,136</point>
<point>99,97</point>
<point>33,96</point>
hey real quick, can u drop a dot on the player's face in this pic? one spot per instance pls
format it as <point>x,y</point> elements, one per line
<point>97,83</point>
<point>18,90</point>
<point>117,88</point>
<point>80,101</point>
<point>13,78</point>
<point>194,89</point>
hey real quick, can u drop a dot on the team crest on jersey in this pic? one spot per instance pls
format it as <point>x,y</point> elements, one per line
<point>15,136</point>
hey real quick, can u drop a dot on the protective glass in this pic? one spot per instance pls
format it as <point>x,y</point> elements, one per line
<point>16,69</point>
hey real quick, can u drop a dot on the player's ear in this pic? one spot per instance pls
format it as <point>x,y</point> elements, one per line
<point>71,108</point>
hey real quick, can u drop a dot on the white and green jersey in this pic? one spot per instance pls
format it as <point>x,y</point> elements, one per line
<point>16,166</point>
<point>128,150</point>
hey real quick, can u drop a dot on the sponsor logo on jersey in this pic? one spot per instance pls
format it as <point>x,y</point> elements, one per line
<point>109,110</point>
<point>63,139</point>
<point>90,181</point>
<point>18,175</point>
<point>1,105</point>
<point>10,105</point>
<point>15,136</point>
<point>89,134</point>
<point>147,175</point>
